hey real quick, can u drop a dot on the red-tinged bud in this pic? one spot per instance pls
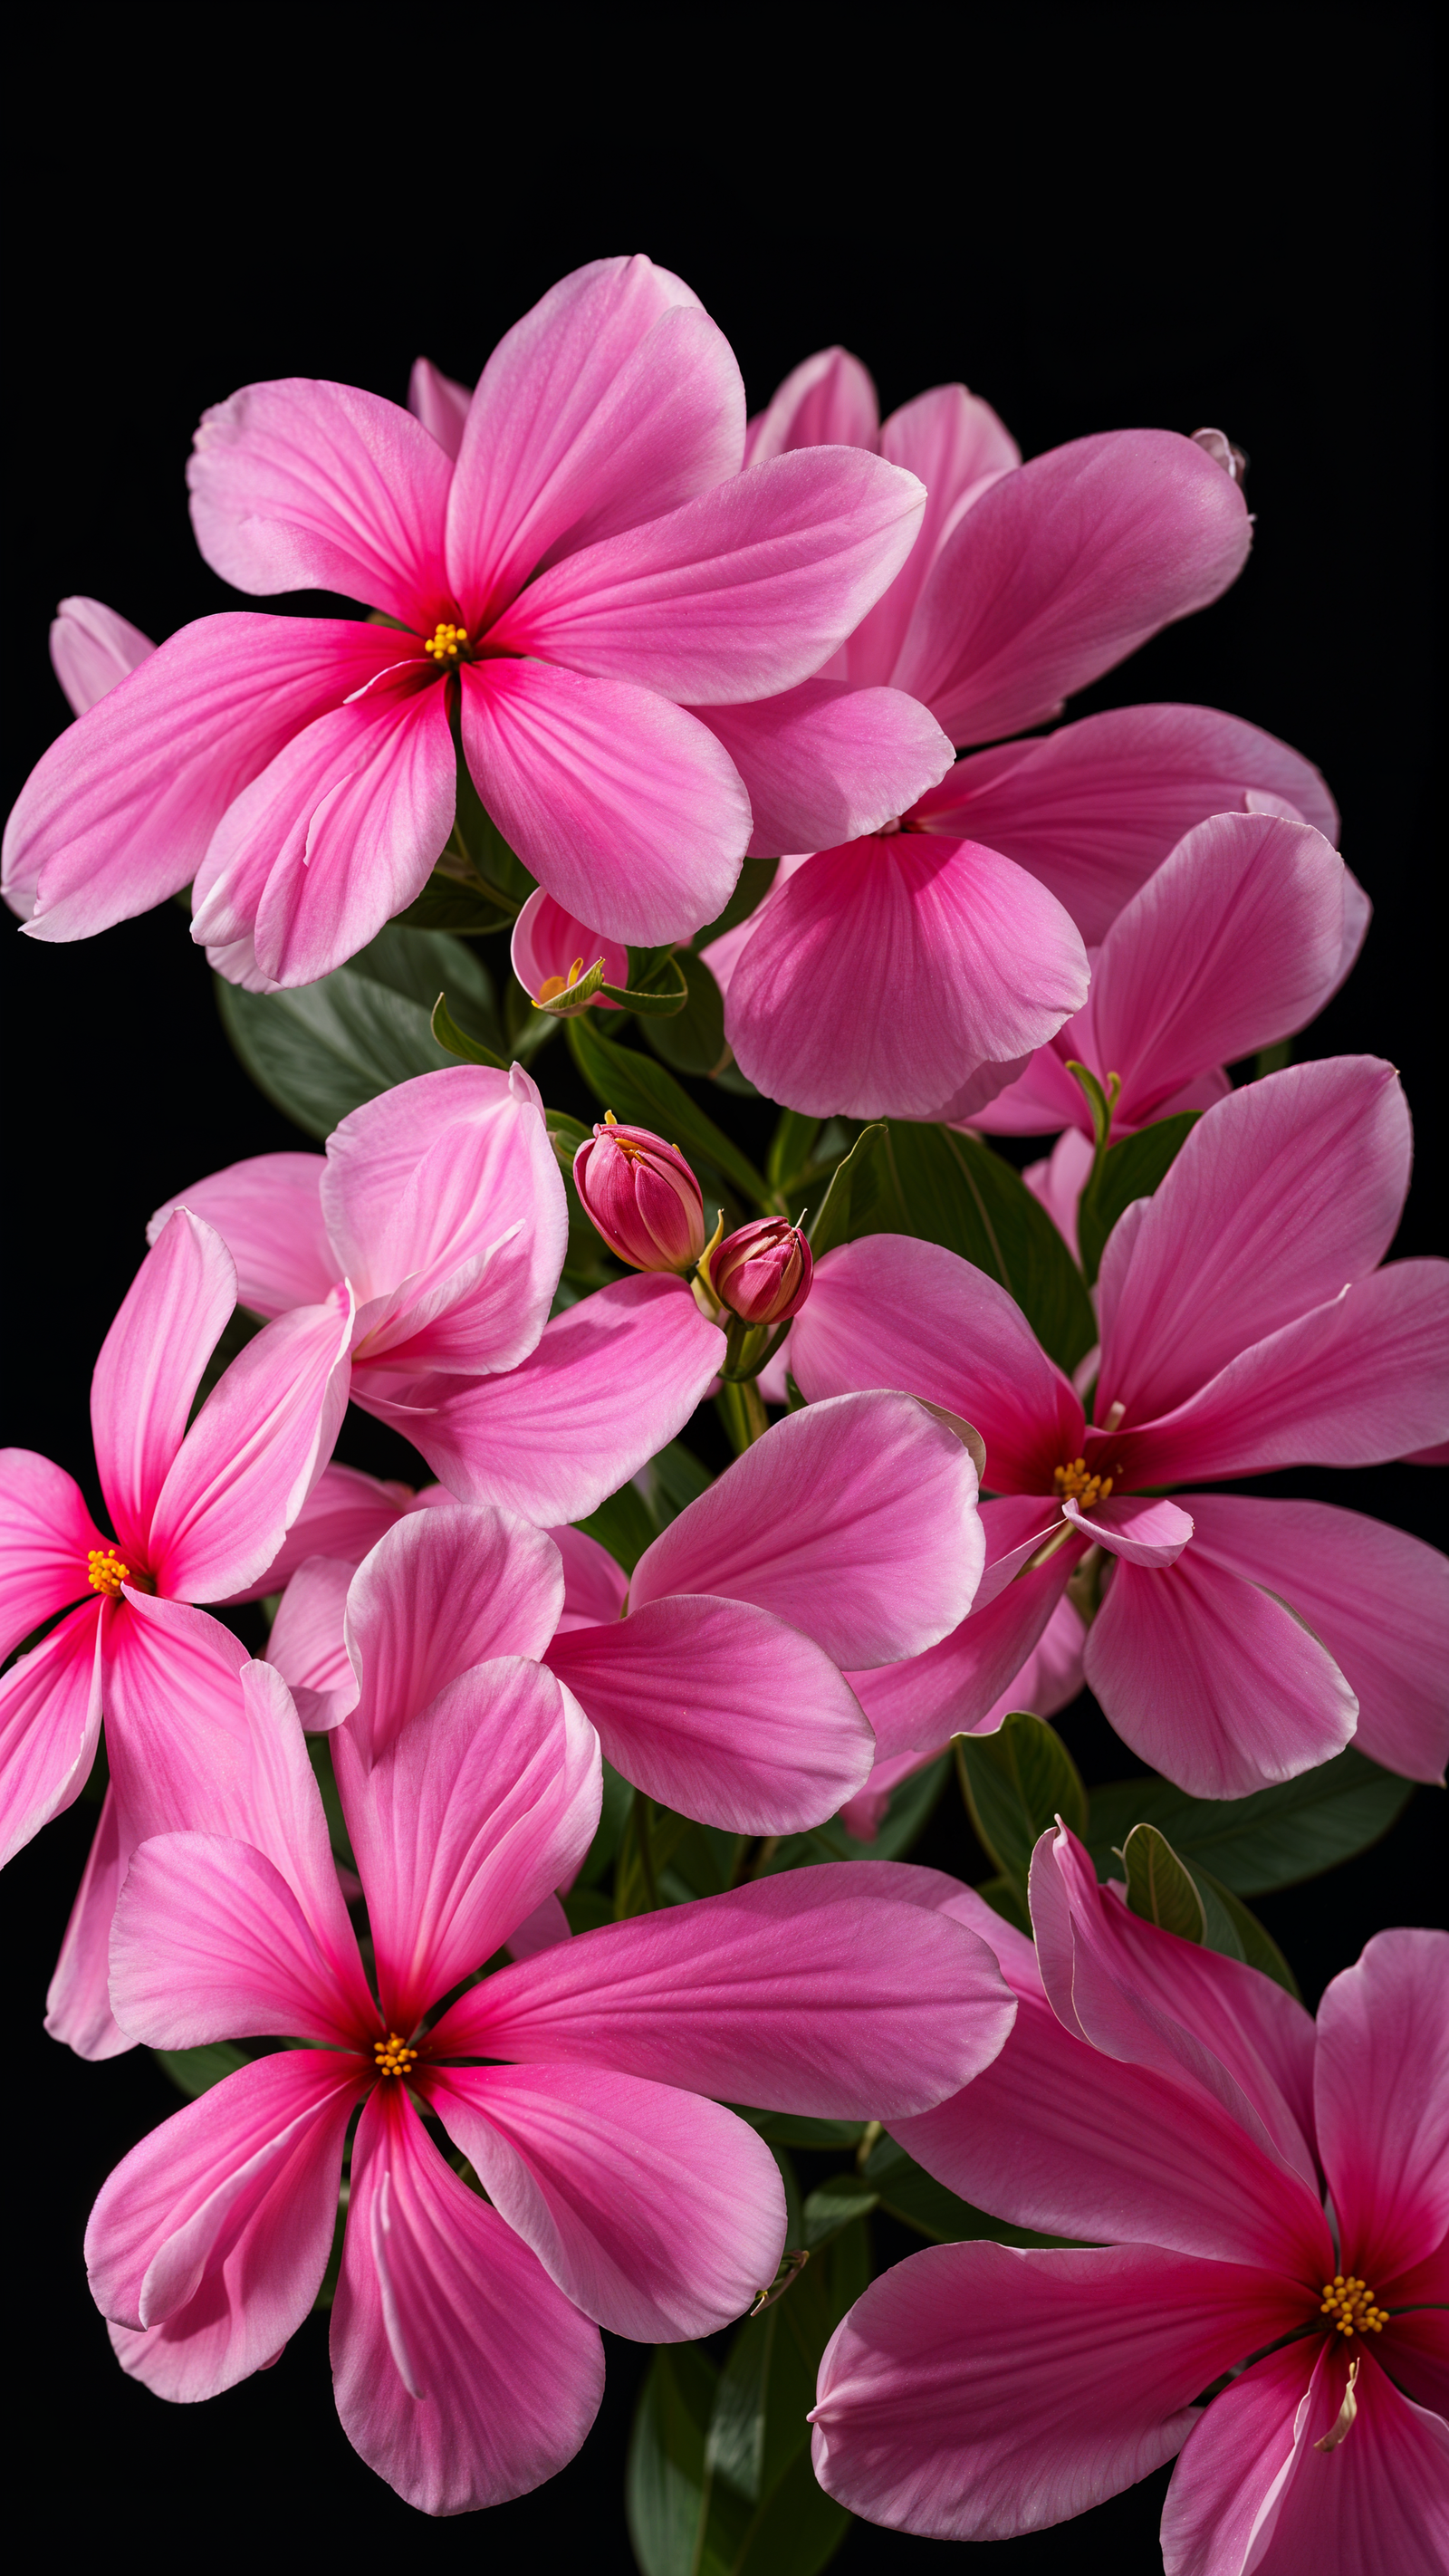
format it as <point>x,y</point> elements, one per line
<point>642,1196</point>
<point>762,1273</point>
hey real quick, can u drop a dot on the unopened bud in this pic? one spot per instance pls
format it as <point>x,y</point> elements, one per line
<point>642,1196</point>
<point>762,1272</point>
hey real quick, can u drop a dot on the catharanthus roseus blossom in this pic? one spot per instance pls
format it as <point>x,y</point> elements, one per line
<point>443,1206</point>
<point>198,1515</point>
<point>577,2082</point>
<point>642,1196</point>
<point>1266,2289</point>
<point>1246,1325</point>
<point>590,563</point>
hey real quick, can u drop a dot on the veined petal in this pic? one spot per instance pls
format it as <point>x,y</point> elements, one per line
<point>209,1942</point>
<point>151,1361</point>
<point>956,1688</point>
<point>824,763</point>
<point>268,1213</point>
<point>307,1644</point>
<point>444,1590</point>
<point>1140,1532</point>
<point>1378,2085</point>
<point>46,1539</point>
<point>440,403</point>
<point>78,2000</point>
<point>92,649</point>
<point>343,1518</point>
<point>957,447</point>
<point>50,1723</point>
<point>829,400</point>
<point>595,1584</point>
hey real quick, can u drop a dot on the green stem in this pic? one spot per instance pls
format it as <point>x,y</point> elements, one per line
<point>741,1408</point>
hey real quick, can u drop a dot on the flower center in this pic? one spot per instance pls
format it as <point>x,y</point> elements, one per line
<point>560,983</point>
<point>1348,2303</point>
<point>447,642</point>
<point>106,1572</point>
<point>393,2055</point>
<point>1074,1485</point>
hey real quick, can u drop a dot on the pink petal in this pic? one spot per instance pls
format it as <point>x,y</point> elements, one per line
<point>721,1711</point>
<point>343,1517</point>
<point>595,1586</point>
<point>307,1645</point>
<point>1379,2080</point>
<point>46,1539</point>
<point>209,1942</point>
<point>827,401</point>
<point>472,1814</point>
<point>1375,1597</point>
<point>91,649</point>
<point>1141,1533</point>
<point>462,2375</point>
<point>78,2000</point>
<point>626,808</point>
<point>854,1520</point>
<point>1050,1677</point>
<point>1094,808</point>
<point>1060,1181</point>
<point>268,1213</point>
<point>151,1360</point>
<point>889,1310</point>
<point>442,1591</point>
<point>1226,2490</point>
<point>119,812</point>
<point>824,763</point>
<point>958,1687</point>
<point>336,835</point>
<point>956,445</point>
<point>1063,568</point>
<point>301,485</point>
<point>614,399</point>
<point>547,941</point>
<point>1285,1191</point>
<point>208,2243</point>
<point>657,2213</point>
<point>816,1991</point>
<point>440,403</point>
<point>978,2391</point>
<point>540,1930</point>
<point>1043,1097</point>
<point>50,1723</point>
<point>885,972</point>
<point>611,1381</point>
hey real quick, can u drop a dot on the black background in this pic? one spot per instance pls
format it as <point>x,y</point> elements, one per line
<point>1097,217</point>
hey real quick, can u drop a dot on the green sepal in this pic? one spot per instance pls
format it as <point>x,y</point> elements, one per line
<point>1159,1888</point>
<point>1097,1102</point>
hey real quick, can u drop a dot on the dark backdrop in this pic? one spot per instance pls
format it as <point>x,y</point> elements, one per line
<point>1097,217</point>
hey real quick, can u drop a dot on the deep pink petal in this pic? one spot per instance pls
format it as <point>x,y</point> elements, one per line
<point>78,2000</point>
<point>151,1360</point>
<point>1379,2087</point>
<point>595,1584</point>
<point>92,649</point>
<point>883,973</point>
<point>548,941</point>
<point>442,1591</point>
<point>1042,1098</point>
<point>208,2243</point>
<point>440,403</point>
<point>827,401</point>
<point>824,763</point>
<point>958,1687</point>
<point>721,1711</point>
<point>50,1717</point>
<point>46,1539</point>
<point>1064,567</point>
<point>462,2375</point>
<point>612,1380</point>
<point>659,2214</point>
<point>816,1991</point>
<point>1228,2484</point>
<point>1050,1677</point>
<point>208,1942</point>
<point>1142,1533</point>
<point>978,2391</point>
<point>854,1520</point>
<point>625,807</point>
<point>268,1213</point>
<point>303,485</point>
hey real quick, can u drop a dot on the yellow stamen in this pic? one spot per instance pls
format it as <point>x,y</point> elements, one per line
<point>393,2055</point>
<point>106,1572</point>
<point>1349,2302</point>
<point>555,984</point>
<point>1074,1485</point>
<point>445,641</point>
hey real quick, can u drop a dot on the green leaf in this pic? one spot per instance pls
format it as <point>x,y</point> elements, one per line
<point>1159,1887</point>
<point>448,1034</point>
<point>692,1039</point>
<point>797,2129</point>
<point>832,1222</point>
<point>790,1147</point>
<point>193,2071</point>
<point>1127,1171</point>
<point>664,2480</point>
<point>905,1818</point>
<point>448,902</point>
<point>1237,1932</point>
<point>753,884</point>
<point>914,2196</point>
<point>946,1187</point>
<point>673,1479</point>
<point>642,1093</point>
<point>1016,1783</point>
<point>623,1524</point>
<point>1273,1838</point>
<point>836,2203</point>
<point>1007,1901</point>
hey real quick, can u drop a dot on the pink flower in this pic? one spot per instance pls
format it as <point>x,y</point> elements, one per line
<point>762,1272</point>
<point>1049,1680</point>
<point>591,560</point>
<point>1266,2289</point>
<point>1246,1326</point>
<point>465,2343</point>
<point>642,1196</point>
<point>552,950</point>
<point>441,1203</point>
<point>198,1514</point>
<point>92,650</point>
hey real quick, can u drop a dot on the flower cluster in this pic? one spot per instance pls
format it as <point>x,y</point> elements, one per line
<point>509,1866</point>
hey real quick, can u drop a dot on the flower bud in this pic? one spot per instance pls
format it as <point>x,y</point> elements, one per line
<point>642,1196</point>
<point>762,1273</point>
<point>553,950</point>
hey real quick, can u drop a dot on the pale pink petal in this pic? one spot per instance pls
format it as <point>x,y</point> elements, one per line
<point>548,941</point>
<point>462,2375</point>
<point>1059,1182</point>
<point>209,1942</point>
<point>659,2214</point>
<point>78,2000</point>
<point>626,808</point>
<point>1287,1190</point>
<point>307,1644</point>
<point>956,445</point>
<point>824,763</point>
<point>253,1453</point>
<point>829,400</point>
<point>817,1991</point>
<point>1379,2077</point>
<point>46,1540</point>
<point>540,1930</point>
<point>885,972</point>
<point>303,485</point>
<point>721,1711</point>
<point>91,649</point>
<point>151,1360</point>
<point>443,1590</point>
<point>612,1380</point>
<point>268,1213</point>
<point>614,399</point>
<point>738,593</point>
<point>440,403</point>
<point>978,2391</point>
<point>50,1721</point>
<point>1141,1532</point>
<point>463,1823</point>
<point>595,1585</point>
<point>343,1517</point>
<point>1042,1098</point>
<point>1064,567</point>
<point>208,2243</point>
<point>1094,808</point>
<point>979,1090</point>
<point>1376,1598</point>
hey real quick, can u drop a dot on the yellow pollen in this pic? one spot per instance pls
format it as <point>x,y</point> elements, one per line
<point>106,1572</point>
<point>553,984</point>
<point>444,641</point>
<point>1349,2303</point>
<point>393,2055</point>
<point>1074,1485</point>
